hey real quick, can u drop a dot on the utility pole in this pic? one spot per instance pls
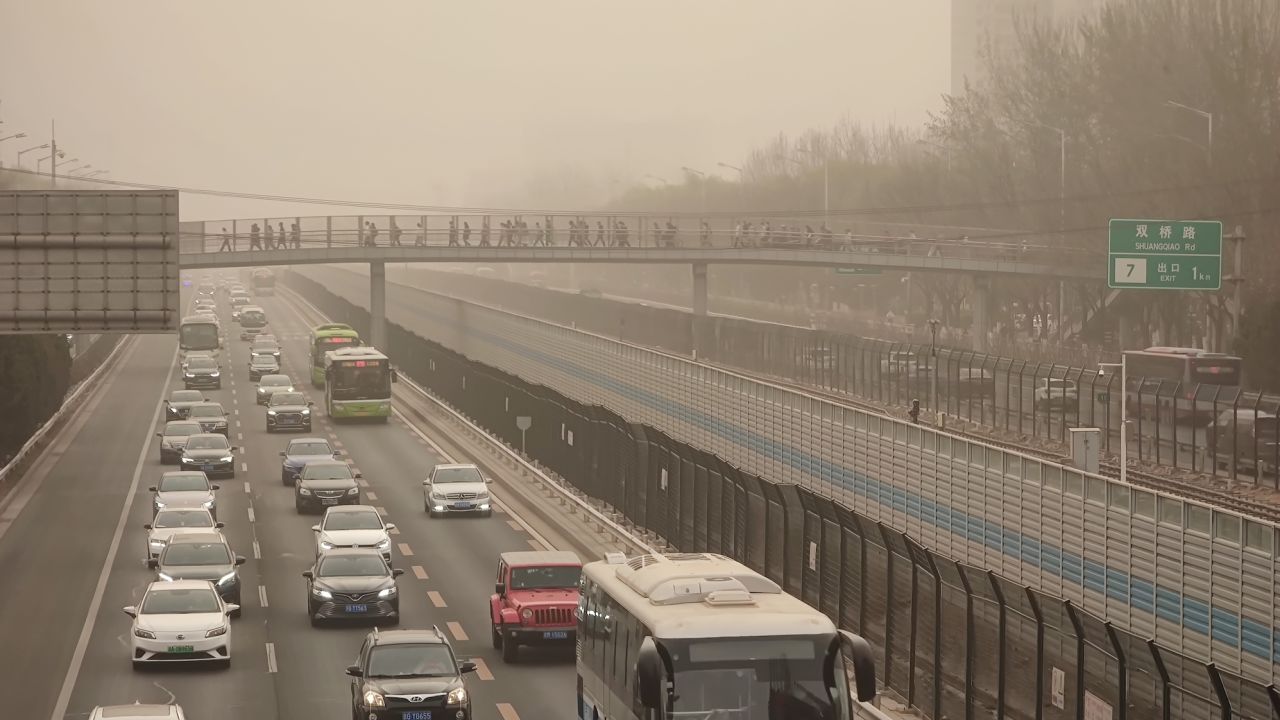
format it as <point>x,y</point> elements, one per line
<point>53,167</point>
<point>1237,282</point>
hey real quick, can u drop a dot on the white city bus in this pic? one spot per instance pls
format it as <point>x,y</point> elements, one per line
<point>199,333</point>
<point>1182,384</point>
<point>702,636</point>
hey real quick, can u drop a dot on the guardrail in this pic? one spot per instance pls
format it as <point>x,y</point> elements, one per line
<point>958,640</point>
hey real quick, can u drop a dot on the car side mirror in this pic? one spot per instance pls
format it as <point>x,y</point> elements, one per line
<point>310,403</point>
<point>153,563</point>
<point>397,572</point>
<point>467,666</point>
<point>354,671</point>
<point>219,526</point>
<point>159,434</point>
<point>315,528</point>
<point>391,526</point>
<point>216,487</point>
<point>359,475</point>
<point>650,669</point>
<point>308,574</point>
<point>232,607</point>
<point>282,454</point>
<point>166,402</point>
<point>131,611</point>
<point>239,559</point>
<point>152,489</point>
<point>426,482</point>
<point>500,588</point>
<point>863,659</point>
<point>488,481</point>
<point>147,526</point>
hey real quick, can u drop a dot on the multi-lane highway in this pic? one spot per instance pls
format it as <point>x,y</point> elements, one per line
<point>72,542</point>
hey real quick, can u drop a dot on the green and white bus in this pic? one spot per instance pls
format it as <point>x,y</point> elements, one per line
<point>324,338</point>
<point>358,383</point>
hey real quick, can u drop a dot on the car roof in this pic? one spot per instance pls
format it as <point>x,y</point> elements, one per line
<point>335,509</point>
<point>208,435</point>
<point>308,439</point>
<point>180,585</point>
<point>455,466</point>
<point>198,537</point>
<point>410,635</point>
<point>540,557</point>
<point>325,463</point>
<point>276,376</point>
<point>137,710</point>
<point>264,339</point>
<point>183,473</point>
<point>210,402</point>
<point>183,422</point>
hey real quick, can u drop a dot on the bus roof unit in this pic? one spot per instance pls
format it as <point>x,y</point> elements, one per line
<point>332,326</point>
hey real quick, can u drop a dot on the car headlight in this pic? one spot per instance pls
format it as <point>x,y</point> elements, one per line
<point>303,491</point>
<point>226,579</point>
<point>373,698</point>
<point>160,504</point>
<point>326,545</point>
<point>482,495</point>
<point>156,543</point>
<point>387,593</point>
<point>437,496</point>
<point>306,411</point>
<point>526,614</point>
<point>271,412</point>
<point>457,696</point>
<point>220,630</point>
<point>165,577</point>
<point>227,458</point>
<point>139,632</point>
<point>322,594</point>
<point>354,491</point>
<point>386,543</point>
<point>213,374</point>
<point>190,375</point>
<point>207,504</point>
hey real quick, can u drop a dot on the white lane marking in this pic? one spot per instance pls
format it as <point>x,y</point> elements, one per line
<point>257,550</point>
<point>543,542</point>
<point>262,595</point>
<point>237,423</point>
<point>77,657</point>
<point>510,523</point>
<point>236,411</point>
<point>420,572</point>
<point>251,519</point>
<point>246,486</point>
<point>482,669</point>
<point>405,550</point>
<point>239,435</point>
<point>337,442</point>
<point>362,482</point>
<point>381,510</point>
<point>507,712</point>
<point>394,531</point>
<point>537,545</point>
<point>244,467</point>
<point>233,391</point>
<point>271,657</point>
<point>436,598</point>
<point>458,633</point>
<point>371,495</point>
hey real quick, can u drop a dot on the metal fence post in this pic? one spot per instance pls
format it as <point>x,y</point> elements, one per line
<point>937,632</point>
<point>1215,679</point>
<point>1166,689</point>
<point>1273,694</point>
<point>1001,637</point>
<point>1039,617</point>
<point>1122,670</point>
<point>1078,626</point>
<point>888,604</point>
<point>969,632</point>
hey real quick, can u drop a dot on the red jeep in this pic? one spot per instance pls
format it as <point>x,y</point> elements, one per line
<point>535,600</point>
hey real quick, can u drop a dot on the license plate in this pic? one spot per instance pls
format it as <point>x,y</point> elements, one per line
<point>462,505</point>
<point>181,648</point>
<point>556,635</point>
<point>328,501</point>
<point>206,467</point>
<point>418,715</point>
<point>357,608</point>
<point>361,413</point>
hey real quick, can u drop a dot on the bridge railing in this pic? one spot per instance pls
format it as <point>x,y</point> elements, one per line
<point>617,231</point>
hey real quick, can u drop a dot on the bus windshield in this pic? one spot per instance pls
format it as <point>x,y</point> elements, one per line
<point>370,382</point>
<point>199,336</point>
<point>773,678</point>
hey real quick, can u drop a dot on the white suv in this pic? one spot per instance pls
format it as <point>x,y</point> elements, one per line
<point>456,488</point>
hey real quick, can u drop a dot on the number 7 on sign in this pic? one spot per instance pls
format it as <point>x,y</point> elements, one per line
<point>1131,270</point>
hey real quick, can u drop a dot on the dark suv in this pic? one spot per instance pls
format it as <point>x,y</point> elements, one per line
<point>409,674</point>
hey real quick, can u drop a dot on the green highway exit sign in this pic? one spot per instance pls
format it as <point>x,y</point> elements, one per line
<point>857,271</point>
<point>1164,255</point>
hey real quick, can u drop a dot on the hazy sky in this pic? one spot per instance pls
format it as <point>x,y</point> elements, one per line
<point>456,102</point>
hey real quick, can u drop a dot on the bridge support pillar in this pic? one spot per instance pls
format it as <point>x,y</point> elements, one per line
<point>378,304</point>
<point>981,313</point>
<point>700,289</point>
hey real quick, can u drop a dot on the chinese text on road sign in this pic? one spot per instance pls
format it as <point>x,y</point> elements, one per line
<point>1165,255</point>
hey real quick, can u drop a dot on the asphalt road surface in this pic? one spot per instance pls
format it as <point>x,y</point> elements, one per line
<point>72,543</point>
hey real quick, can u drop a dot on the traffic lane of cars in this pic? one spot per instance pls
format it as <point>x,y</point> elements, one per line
<point>107,676</point>
<point>458,555</point>
<point>54,549</point>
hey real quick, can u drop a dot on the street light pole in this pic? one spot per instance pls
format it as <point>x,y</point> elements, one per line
<point>741,185</point>
<point>703,185</point>
<point>933,362</point>
<point>1124,412</point>
<point>1202,113</point>
<point>30,149</point>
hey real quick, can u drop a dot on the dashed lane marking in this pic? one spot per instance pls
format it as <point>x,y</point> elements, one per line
<point>239,435</point>
<point>458,633</point>
<point>337,443</point>
<point>507,712</point>
<point>257,550</point>
<point>394,531</point>
<point>482,669</point>
<point>515,526</point>
<point>436,598</point>
<point>262,595</point>
<point>499,509</point>
<point>372,495</point>
<point>271,657</point>
<point>251,515</point>
<point>238,423</point>
<point>405,550</point>
<point>536,545</point>
<point>420,572</point>
<point>381,510</point>
<point>244,467</point>
<point>362,482</point>
<point>246,486</point>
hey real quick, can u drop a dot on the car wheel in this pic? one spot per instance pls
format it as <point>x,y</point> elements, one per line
<point>285,480</point>
<point>138,666</point>
<point>487,513</point>
<point>497,636</point>
<point>225,664</point>
<point>297,504</point>
<point>510,650</point>
<point>270,429</point>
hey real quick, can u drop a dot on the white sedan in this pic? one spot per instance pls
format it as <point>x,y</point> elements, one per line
<point>181,621</point>
<point>176,521</point>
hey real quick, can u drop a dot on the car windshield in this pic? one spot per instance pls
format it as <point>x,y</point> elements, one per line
<point>202,363</point>
<point>184,483</point>
<point>178,602</point>
<point>289,398</point>
<point>209,411</point>
<point>190,553</point>
<point>182,519</point>
<point>327,472</point>
<point>275,381</point>
<point>208,443</point>
<point>408,660</point>
<point>353,566</point>
<point>457,475</point>
<point>535,578</point>
<point>353,521</point>
<point>310,448</point>
<point>186,396</point>
<point>180,429</point>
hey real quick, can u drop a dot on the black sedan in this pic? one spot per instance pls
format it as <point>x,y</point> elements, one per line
<point>323,484</point>
<point>353,584</point>
<point>211,453</point>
